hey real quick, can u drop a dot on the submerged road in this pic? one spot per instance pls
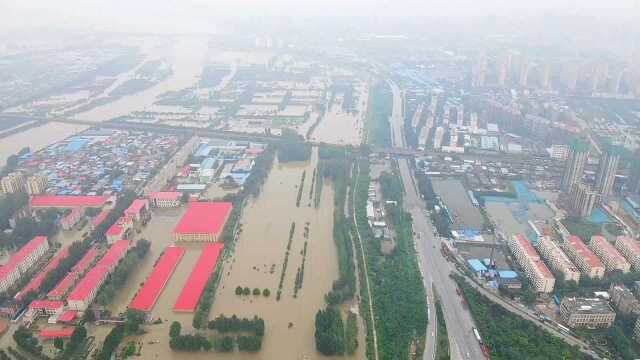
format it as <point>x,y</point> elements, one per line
<point>435,268</point>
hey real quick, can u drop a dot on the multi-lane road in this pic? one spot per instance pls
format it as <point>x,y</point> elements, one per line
<point>435,268</point>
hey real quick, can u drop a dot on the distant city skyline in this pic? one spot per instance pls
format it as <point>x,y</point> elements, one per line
<point>200,15</point>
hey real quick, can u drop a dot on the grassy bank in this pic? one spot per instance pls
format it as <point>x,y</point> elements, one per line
<point>509,336</point>
<point>398,295</point>
<point>378,114</point>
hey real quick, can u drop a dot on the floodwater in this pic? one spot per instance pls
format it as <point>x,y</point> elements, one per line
<point>37,138</point>
<point>186,56</point>
<point>340,127</point>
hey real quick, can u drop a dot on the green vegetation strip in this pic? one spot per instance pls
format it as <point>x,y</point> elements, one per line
<point>304,174</point>
<point>399,298</point>
<point>442,347</point>
<point>286,260</point>
<point>509,336</point>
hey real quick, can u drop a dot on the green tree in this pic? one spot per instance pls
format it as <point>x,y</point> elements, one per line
<point>239,290</point>
<point>266,292</point>
<point>175,329</point>
<point>256,292</point>
<point>58,343</point>
<point>246,291</point>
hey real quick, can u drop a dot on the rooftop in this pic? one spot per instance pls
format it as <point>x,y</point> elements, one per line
<point>21,254</point>
<point>584,251</point>
<point>166,195</point>
<point>609,248</point>
<point>136,207</point>
<point>146,298</point>
<point>35,283</point>
<point>588,305</point>
<point>630,243</point>
<point>56,333</point>
<point>526,246</point>
<point>204,217</point>
<point>46,304</point>
<point>193,288</point>
<point>68,201</point>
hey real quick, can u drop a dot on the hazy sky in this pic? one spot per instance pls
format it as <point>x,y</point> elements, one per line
<point>197,15</point>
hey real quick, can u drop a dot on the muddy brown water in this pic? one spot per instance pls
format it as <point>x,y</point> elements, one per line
<point>262,243</point>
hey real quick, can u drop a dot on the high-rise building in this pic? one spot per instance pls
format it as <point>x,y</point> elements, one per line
<point>636,330</point>
<point>582,199</point>
<point>633,184</point>
<point>607,168</point>
<point>610,257</point>
<point>36,184</point>
<point>12,183</point>
<point>574,168</point>
<point>557,259</point>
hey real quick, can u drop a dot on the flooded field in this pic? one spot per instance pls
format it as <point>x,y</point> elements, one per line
<point>339,127</point>
<point>186,57</point>
<point>37,138</point>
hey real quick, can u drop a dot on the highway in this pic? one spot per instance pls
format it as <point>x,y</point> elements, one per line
<point>435,268</point>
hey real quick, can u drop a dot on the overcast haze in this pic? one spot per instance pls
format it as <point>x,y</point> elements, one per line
<point>196,15</point>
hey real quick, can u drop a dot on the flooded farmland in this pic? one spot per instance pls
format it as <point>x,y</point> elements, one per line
<point>186,70</point>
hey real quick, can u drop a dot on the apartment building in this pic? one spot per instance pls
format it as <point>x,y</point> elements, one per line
<point>557,259</point>
<point>610,257</point>
<point>583,257</point>
<point>12,183</point>
<point>22,261</point>
<point>630,249</point>
<point>535,270</point>
<point>623,299</point>
<point>36,184</point>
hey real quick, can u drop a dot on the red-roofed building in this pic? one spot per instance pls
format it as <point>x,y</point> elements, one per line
<point>630,249</point>
<point>529,260</point>
<point>68,317</point>
<point>96,221</point>
<point>165,199</point>
<point>137,208</point>
<point>87,289</point>
<point>115,232</point>
<point>203,221</point>
<point>147,296</point>
<point>202,271</point>
<point>50,334</point>
<point>54,201</point>
<point>22,261</point>
<point>35,283</point>
<point>583,257</point>
<point>610,257</point>
<point>63,287</point>
<point>69,221</point>
<point>39,308</point>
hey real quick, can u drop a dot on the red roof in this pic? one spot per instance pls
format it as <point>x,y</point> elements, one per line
<point>68,316</point>
<point>35,283</point>
<point>101,217</point>
<point>136,207</point>
<point>89,283</point>
<point>56,333</point>
<point>526,245</point>
<point>64,285</point>
<point>608,248</point>
<point>193,288</point>
<point>115,253</point>
<point>46,304</point>
<point>115,230</point>
<point>22,254</point>
<point>85,261</point>
<point>166,195</point>
<point>99,272</point>
<point>68,201</point>
<point>543,269</point>
<point>628,242</point>
<point>584,251</point>
<point>148,295</point>
<point>204,217</point>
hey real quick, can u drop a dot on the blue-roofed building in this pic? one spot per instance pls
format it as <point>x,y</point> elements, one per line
<point>76,144</point>
<point>509,279</point>
<point>477,267</point>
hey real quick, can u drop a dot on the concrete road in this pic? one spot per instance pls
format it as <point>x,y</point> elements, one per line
<point>434,267</point>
